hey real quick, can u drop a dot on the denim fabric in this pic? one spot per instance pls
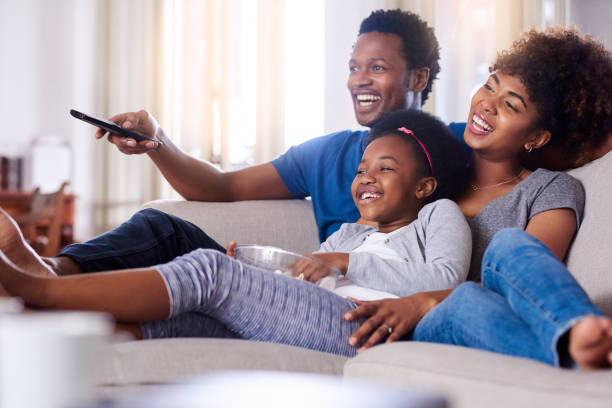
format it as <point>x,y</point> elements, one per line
<point>528,301</point>
<point>208,289</point>
<point>150,237</point>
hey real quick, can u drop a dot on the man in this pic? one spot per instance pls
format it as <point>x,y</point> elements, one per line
<point>393,65</point>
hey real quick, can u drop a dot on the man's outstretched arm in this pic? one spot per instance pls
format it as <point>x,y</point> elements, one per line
<point>193,178</point>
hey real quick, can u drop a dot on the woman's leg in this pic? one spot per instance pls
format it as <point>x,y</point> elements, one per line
<point>538,288</point>
<point>476,317</point>
<point>150,237</point>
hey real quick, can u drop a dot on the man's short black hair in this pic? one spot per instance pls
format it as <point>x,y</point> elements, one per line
<point>449,157</point>
<point>420,45</point>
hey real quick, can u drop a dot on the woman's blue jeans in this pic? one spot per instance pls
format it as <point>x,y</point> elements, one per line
<point>526,305</point>
<point>150,237</point>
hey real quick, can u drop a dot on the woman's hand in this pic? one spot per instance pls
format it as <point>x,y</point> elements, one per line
<point>141,122</point>
<point>389,319</point>
<point>229,251</point>
<point>313,271</point>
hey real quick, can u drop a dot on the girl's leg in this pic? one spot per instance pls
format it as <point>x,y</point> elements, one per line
<point>13,244</point>
<point>148,238</point>
<point>259,305</point>
<point>539,289</point>
<point>250,302</point>
<point>192,324</point>
<point>473,316</point>
<point>131,296</point>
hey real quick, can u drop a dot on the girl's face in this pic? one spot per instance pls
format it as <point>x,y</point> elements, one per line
<point>388,187</point>
<point>502,119</point>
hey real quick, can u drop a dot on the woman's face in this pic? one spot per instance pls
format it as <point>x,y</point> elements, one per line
<point>502,119</point>
<point>385,186</point>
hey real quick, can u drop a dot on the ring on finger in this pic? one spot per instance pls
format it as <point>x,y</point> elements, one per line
<point>301,276</point>
<point>388,329</point>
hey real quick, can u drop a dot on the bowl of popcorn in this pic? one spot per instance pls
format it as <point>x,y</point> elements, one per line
<point>280,261</point>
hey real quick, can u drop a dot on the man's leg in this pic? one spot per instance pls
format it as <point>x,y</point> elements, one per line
<point>540,290</point>
<point>148,238</point>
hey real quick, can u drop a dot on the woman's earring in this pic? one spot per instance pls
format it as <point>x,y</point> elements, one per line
<point>530,149</point>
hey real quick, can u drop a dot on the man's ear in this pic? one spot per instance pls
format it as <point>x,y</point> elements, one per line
<point>426,187</point>
<point>418,79</point>
<point>537,140</point>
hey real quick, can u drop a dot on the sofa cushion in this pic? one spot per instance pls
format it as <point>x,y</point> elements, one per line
<point>170,360</point>
<point>474,378</point>
<point>288,224</point>
<point>590,256</point>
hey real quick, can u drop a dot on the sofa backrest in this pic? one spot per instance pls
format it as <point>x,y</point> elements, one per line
<point>590,256</point>
<point>287,224</point>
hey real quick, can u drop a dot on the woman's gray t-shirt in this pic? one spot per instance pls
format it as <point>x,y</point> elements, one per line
<point>542,190</point>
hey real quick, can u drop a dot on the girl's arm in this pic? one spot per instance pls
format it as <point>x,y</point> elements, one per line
<point>438,259</point>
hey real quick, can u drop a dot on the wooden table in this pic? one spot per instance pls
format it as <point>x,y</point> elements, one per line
<point>17,203</point>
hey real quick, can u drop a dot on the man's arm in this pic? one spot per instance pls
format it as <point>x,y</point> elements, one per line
<point>193,178</point>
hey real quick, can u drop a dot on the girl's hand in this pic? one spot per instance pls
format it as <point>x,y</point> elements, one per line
<point>400,315</point>
<point>312,271</point>
<point>230,249</point>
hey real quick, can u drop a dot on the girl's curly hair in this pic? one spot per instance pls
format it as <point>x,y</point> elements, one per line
<point>568,76</point>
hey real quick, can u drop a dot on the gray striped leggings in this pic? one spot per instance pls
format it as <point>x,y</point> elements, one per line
<point>212,295</point>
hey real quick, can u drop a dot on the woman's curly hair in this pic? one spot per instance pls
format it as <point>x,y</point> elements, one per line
<point>568,76</point>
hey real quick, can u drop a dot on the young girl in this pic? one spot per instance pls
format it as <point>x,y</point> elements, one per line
<point>551,88</point>
<point>411,159</point>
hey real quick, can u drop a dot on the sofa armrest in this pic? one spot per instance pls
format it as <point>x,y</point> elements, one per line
<point>288,224</point>
<point>589,258</point>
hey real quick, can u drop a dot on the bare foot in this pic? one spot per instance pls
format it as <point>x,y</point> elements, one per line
<point>17,250</point>
<point>590,343</point>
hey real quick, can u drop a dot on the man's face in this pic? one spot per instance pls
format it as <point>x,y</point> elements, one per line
<point>379,79</point>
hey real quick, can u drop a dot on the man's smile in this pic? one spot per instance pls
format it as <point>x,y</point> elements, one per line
<point>366,101</point>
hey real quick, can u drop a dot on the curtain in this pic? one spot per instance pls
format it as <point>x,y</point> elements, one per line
<point>210,71</point>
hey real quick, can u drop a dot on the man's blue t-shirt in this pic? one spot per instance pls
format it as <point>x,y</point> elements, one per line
<point>324,168</point>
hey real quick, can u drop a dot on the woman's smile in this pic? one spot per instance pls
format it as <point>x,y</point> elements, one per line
<point>479,124</point>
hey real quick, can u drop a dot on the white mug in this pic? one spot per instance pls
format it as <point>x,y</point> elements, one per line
<point>50,359</point>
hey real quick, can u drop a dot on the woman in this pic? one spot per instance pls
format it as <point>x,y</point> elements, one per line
<point>550,89</point>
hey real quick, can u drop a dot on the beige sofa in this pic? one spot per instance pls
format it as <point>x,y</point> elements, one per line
<point>468,378</point>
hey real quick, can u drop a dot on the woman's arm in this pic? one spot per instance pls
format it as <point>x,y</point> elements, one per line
<point>555,228</point>
<point>401,315</point>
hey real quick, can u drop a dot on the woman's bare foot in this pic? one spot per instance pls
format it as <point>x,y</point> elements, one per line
<point>590,343</point>
<point>14,246</point>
